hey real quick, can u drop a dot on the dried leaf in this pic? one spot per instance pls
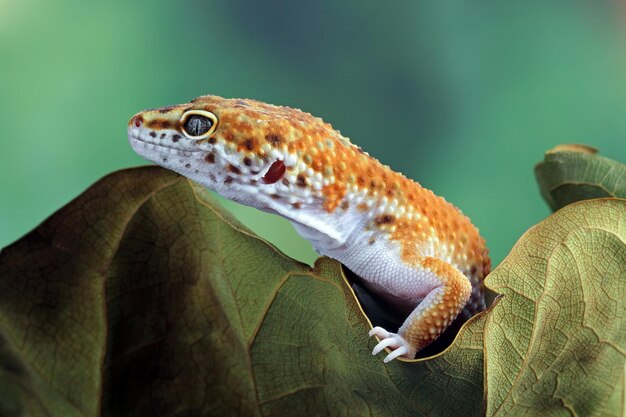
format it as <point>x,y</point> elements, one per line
<point>571,173</point>
<point>143,297</point>
<point>556,342</point>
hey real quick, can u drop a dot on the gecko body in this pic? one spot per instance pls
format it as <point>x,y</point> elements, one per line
<point>408,245</point>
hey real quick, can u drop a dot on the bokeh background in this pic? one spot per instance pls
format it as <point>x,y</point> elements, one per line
<point>464,97</point>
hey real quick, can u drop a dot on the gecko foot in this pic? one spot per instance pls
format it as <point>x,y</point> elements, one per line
<point>395,342</point>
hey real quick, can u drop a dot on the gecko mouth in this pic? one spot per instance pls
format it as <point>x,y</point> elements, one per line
<point>157,145</point>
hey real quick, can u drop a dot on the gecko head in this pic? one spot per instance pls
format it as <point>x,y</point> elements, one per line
<point>260,155</point>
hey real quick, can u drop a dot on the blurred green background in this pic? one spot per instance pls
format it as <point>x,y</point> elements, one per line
<point>464,97</point>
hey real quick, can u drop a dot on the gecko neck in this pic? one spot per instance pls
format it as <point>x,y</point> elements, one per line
<point>328,233</point>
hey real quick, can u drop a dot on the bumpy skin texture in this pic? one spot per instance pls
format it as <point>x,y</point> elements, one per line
<point>410,246</point>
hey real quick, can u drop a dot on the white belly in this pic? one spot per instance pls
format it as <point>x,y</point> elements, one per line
<point>378,264</point>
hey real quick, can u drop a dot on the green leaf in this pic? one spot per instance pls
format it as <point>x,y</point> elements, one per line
<point>571,173</point>
<point>555,344</point>
<point>143,297</point>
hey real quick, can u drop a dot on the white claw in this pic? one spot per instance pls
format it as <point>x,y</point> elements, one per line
<point>390,340</point>
<point>402,350</point>
<point>380,332</point>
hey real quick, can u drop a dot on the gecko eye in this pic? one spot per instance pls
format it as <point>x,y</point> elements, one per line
<point>275,173</point>
<point>198,124</point>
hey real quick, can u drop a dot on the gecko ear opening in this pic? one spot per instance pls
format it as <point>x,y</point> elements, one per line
<point>275,173</point>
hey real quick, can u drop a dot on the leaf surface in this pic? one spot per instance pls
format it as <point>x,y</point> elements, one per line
<point>144,297</point>
<point>556,342</point>
<point>571,173</point>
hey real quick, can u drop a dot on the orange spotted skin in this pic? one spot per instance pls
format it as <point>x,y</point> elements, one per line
<point>431,234</point>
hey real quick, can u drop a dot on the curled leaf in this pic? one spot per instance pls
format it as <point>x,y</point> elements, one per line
<point>573,147</point>
<point>556,342</point>
<point>144,297</point>
<point>571,173</point>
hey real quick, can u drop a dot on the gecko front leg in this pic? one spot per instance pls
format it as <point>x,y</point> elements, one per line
<point>431,316</point>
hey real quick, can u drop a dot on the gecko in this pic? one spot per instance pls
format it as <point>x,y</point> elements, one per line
<point>410,247</point>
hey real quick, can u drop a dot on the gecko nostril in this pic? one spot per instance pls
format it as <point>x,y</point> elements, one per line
<point>136,121</point>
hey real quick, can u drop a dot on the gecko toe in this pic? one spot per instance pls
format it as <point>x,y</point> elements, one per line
<point>402,350</point>
<point>380,332</point>
<point>392,342</point>
<point>398,345</point>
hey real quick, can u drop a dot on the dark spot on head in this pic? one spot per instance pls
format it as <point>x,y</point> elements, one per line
<point>296,205</point>
<point>153,134</point>
<point>360,180</point>
<point>473,270</point>
<point>273,139</point>
<point>234,169</point>
<point>373,184</point>
<point>159,124</point>
<point>212,141</point>
<point>164,159</point>
<point>196,171</point>
<point>230,136</point>
<point>285,181</point>
<point>212,177</point>
<point>371,241</point>
<point>384,219</point>
<point>162,135</point>
<point>249,144</point>
<point>228,180</point>
<point>345,205</point>
<point>389,192</point>
<point>253,182</point>
<point>166,109</point>
<point>247,162</point>
<point>275,196</point>
<point>187,165</point>
<point>175,138</point>
<point>301,181</point>
<point>210,158</point>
